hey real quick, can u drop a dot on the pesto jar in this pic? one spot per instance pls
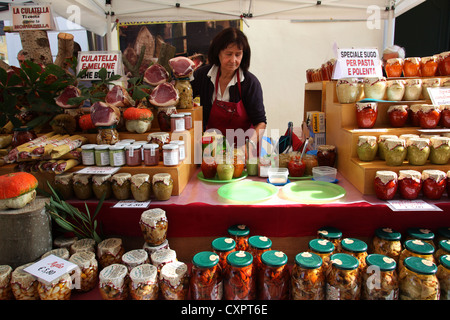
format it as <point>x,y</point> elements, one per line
<point>307,277</point>
<point>443,275</point>
<point>64,185</point>
<point>416,248</point>
<point>367,148</point>
<point>387,241</point>
<point>440,150</point>
<point>356,248</point>
<point>382,144</point>
<point>396,152</point>
<point>141,187</point>
<point>418,280</point>
<point>418,151</point>
<point>102,155</point>
<point>343,280</point>
<point>82,186</point>
<point>162,185</point>
<point>87,154</point>
<point>380,279</point>
<point>101,185</point>
<point>121,186</point>
<point>117,155</point>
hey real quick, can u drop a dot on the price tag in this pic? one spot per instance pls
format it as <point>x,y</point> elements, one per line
<point>50,268</point>
<point>99,170</point>
<point>357,63</point>
<point>132,204</point>
<point>439,95</point>
<point>412,205</point>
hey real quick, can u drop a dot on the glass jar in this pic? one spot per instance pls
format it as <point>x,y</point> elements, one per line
<point>240,233</point>
<point>418,280</point>
<point>444,63</point>
<point>415,248</point>
<point>409,184</point>
<point>356,248</point>
<point>423,234</point>
<point>133,155</point>
<point>140,186</point>
<point>85,244</point>
<point>144,282</point>
<point>414,114</point>
<point>151,249</point>
<point>107,135</point>
<point>24,284</point>
<point>445,115</point>
<point>428,66</point>
<point>307,278</point>
<point>174,281</point>
<point>88,154</point>
<point>367,148</point>
<point>134,258</point>
<point>22,135</point>
<point>177,122</point>
<point>429,116</point>
<point>101,185</point>
<point>5,283</point>
<point>240,278</point>
<point>380,279</point>
<point>206,277</point>
<point>348,90</point>
<point>264,164</point>
<point>110,251</point>
<point>439,150</point>
<point>162,257</point>
<point>82,186</point>
<point>343,280</point>
<point>162,186</point>
<point>154,224</point>
<point>434,183</point>
<point>374,88</point>
<point>366,114</point>
<point>398,115</point>
<point>64,185</point>
<point>62,253</point>
<point>273,276</point>
<point>395,152</point>
<point>101,155</point>
<point>187,120</point>
<point>411,67</point>
<point>418,151</point>
<point>160,138</point>
<point>324,249</point>
<point>58,289</point>
<point>181,149</point>
<point>151,154</point>
<point>395,90</point>
<point>385,184</point>
<point>331,234</point>
<point>88,265</point>
<point>296,166</point>
<point>394,67</point>
<point>121,186</point>
<point>382,144</point>
<point>443,275</point>
<point>413,89</point>
<point>429,83</point>
<point>442,250</point>
<point>163,116</point>
<point>443,234</point>
<point>223,246</point>
<point>117,155</point>
<point>113,282</point>
<point>311,162</point>
<point>171,155</point>
<point>184,87</point>
<point>257,245</point>
<point>386,241</point>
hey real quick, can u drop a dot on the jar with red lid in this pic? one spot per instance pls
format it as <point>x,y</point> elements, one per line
<point>409,184</point>
<point>413,89</point>
<point>444,63</point>
<point>385,184</point>
<point>206,277</point>
<point>394,67</point>
<point>434,183</point>
<point>445,115</point>
<point>326,155</point>
<point>398,115</point>
<point>22,135</point>
<point>428,66</point>
<point>366,114</point>
<point>411,67</point>
<point>273,276</point>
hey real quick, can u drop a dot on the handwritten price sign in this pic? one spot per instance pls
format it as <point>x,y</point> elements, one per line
<point>412,205</point>
<point>50,268</point>
<point>132,204</point>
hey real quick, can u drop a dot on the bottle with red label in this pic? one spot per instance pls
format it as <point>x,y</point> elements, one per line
<point>385,184</point>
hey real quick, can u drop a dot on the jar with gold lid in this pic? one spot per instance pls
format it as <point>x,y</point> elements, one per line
<point>113,282</point>
<point>64,185</point>
<point>82,186</point>
<point>154,224</point>
<point>23,284</point>
<point>162,185</point>
<point>58,289</point>
<point>88,265</point>
<point>379,279</point>
<point>110,251</point>
<point>308,278</point>
<point>5,283</point>
<point>174,281</point>
<point>101,186</point>
<point>144,282</point>
<point>140,186</point>
<point>121,186</point>
<point>418,280</point>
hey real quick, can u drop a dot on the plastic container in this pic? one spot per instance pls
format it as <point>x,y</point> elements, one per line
<point>324,173</point>
<point>308,278</point>
<point>278,175</point>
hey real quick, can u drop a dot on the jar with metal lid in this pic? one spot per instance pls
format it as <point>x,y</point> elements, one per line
<point>184,88</point>
<point>24,284</point>
<point>151,154</point>
<point>257,245</point>
<point>134,258</point>
<point>331,234</point>
<point>5,283</point>
<point>101,185</point>
<point>240,233</point>
<point>181,149</point>
<point>240,278</point>
<point>110,251</point>
<point>380,279</point>
<point>424,234</point>
<point>176,122</point>
<point>107,135</point>
<point>386,241</point>
<point>308,278</point>
<point>101,155</point>
<point>443,275</point>
<point>416,248</point>
<point>163,116</point>
<point>151,249</point>
<point>85,244</point>
<point>126,141</point>
<point>324,249</point>
<point>58,289</point>
<point>154,224</point>
<point>64,185</point>
<point>88,265</point>
<point>206,277</point>
<point>88,154</point>
<point>174,281</point>
<point>344,279</point>
<point>162,257</point>
<point>171,155</point>
<point>62,253</point>
<point>113,282</point>
<point>82,186</point>
<point>162,186</point>
<point>273,276</point>
<point>367,148</point>
<point>117,155</point>
<point>121,185</point>
<point>382,144</point>
<point>133,155</point>
<point>144,282</point>
<point>187,120</point>
<point>443,249</point>
<point>223,246</point>
<point>356,248</point>
<point>140,186</point>
<point>418,280</point>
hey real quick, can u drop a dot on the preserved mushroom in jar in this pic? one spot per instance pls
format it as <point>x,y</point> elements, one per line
<point>356,248</point>
<point>415,248</point>
<point>144,282</point>
<point>162,185</point>
<point>308,278</point>
<point>58,289</point>
<point>380,279</point>
<point>110,251</point>
<point>324,249</point>
<point>418,280</point>
<point>23,284</point>
<point>239,278</point>
<point>5,283</point>
<point>107,135</point>
<point>174,281</point>
<point>424,234</point>
<point>141,187</point>
<point>443,249</point>
<point>113,282</point>
<point>273,276</point>
<point>343,280</point>
<point>135,258</point>
<point>64,185</point>
<point>88,265</point>
<point>184,87</point>
<point>206,277</point>
<point>154,224</point>
<point>101,186</point>
<point>240,234</point>
<point>331,234</point>
<point>121,186</point>
<point>151,249</point>
<point>386,241</point>
<point>443,275</point>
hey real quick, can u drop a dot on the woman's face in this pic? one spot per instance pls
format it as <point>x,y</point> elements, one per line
<point>230,58</point>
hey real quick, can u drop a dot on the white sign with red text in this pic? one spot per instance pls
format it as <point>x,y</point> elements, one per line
<point>358,63</point>
<point>31,18</point>
<point>50,268</point>
<point>439,95</point>
<point>93,61</point>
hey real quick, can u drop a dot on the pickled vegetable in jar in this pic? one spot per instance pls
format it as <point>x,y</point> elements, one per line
<point>162,186</point>
<point>367,148</point>
<point>240,233</point>
<point>428,66</point>
<point>429,116</point>
<point>107,135</point>
<point>349,90</point>
<point>239,277</point>
<point>386,241</point>
<point>356,248</point>
<point>174,281</point>
<point>144,282</point>
<point>206,277</point>
<point>382,144</point>
<point>154,224</point>
<point>434,183</point>
<point>121,186</point>
<point>135,258</point>
<point>443,275</point>
<point>140,186</point>
<point>101,185</point>
<point>418,280</point>
<point>395,89</point>
<point>440,150</point>
<point>110,251</point>
<point>366,114</point>
<point>257,245</point>
<point>343,280</point>
<point>398,115</point>
<point>88,265</point>
<point>418,151</point>
<point>151,249</point>
<point>184,88</point>
<point>5,283</point>
<point>442,250</point>
<point>443,233</point>
<point>162,257</point>
<point>223,246</point>
<point>62,253</point>
<point>324,249</point>
<point>413,89</point>
<point>395,152</point>
<point>424,234</point>
<point>416,248</point>
<point>380,279</point>
<point>113,282</point>
<point>331,234</point>
<point>64,185</point>
<point>82,186</point>
<point>23,284</point>
<point>58,289</point>
<point>273,276</point>
<point>308,278</point>
<point>85,244</point>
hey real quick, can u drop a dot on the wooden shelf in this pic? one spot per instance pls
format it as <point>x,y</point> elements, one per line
<point>314,99</point>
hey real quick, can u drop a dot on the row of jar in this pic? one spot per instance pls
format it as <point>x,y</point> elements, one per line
<point>350,90</point>
<point>435,65</point>
<point>121,186</point>
<point>395,150</point>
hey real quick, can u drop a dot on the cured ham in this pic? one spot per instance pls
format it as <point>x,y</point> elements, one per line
<point>156,74</point>
<point>104,115</point>
<point>181,66</point>
<point>119,97</point>
<point>68,92</point>
<point>164,95</point>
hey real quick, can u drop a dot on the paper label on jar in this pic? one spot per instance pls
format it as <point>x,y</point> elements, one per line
<point>118,158</point>
<point>88,158</point>
<point>218,290</point>
<point>171,158</point>
<point>179,125</point>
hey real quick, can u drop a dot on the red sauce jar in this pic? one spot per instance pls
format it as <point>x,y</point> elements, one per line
<point>444,63</point>
<point>394,67</point>
<point>366,114</point>
<point>385,184</point>
<point>445,116</point>
<point>209,167</point>
<point>414,115</point>
<point>296,167</point>
<point>409,184</point>
<point>163,116</point>
<point>428,66</point>
<point>398,115</point>
<point>411,67</point>
<point>434,183</point>
<point>326,155</point>
<point>429,116</point>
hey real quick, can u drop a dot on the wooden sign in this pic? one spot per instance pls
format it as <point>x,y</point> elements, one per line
<point>31,18</point>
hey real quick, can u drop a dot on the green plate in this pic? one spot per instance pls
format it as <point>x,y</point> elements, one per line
<point>247,191</point>
<point>200,176</point>
<point>313,191</point>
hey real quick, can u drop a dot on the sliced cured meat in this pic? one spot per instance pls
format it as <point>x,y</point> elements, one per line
<point>181,66</point>
<point>119,97</point>
<point>156,74</point>
<point>104,115</point>
<point>164,95</point>
<point>68,92</point>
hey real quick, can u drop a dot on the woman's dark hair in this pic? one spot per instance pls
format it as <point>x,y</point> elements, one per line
<point>223,39</point>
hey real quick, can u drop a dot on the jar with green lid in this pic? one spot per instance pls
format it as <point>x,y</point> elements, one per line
<point>107,135</point>
<point>102,155</point>
<point>367,148</point>
<point>273,277</point>
<point>5,283</point>
<point>443,275</point>
<point>308,278</point>
<point>223,246</point>
<point>387,241</point>
<point>343,280</point>
<point>442,250</point>
<point>443,233</point>
<point>356,248</point>
<point>240,233</point>
<point>64,185</point>
<point>121,186</point>
<point>141,187</point>
<point>82,186</point>
<point>440,150</point>
<point>87,154</point>
<point>382,144</point>
<point>324,249</point>
<point>239,278</point>
<point>206,277</point>
<point>331,234</point>
<point>424,234</point>
<point>101,185</point>
<point>416,248</point>
<point>418,151</point>
<point>418,280</point>
<point>379,279</point>
<point>162,186</point>
<point>144,282</point>
<point>257,245</point>
<point>184,87</point>
<point>117,155</point>
<point>395,152</point>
